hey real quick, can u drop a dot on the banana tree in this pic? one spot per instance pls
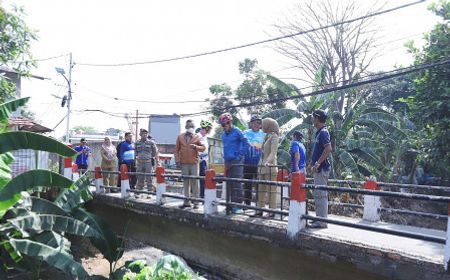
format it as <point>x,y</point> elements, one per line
<point>367,141</point>
<point>33,231</point>
<point>299,118</point>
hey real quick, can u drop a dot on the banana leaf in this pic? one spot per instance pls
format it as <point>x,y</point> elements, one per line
<point>107,242</point>
<point>51,256</point>
<point>28,181</point>
<point>364,171</point>
<point>379,116</point>
<point>43,206</point>
<point>392,130</point>
<point>54,239</point>
<point>45,222</point>
<point>348,162</point>
<point>5,171</point>
<point>369,158</point>
<point>76,195</point>
<point>16,140</point>
<point>288,90</point>
<point>7,108</point>
<point>282,115</point>
<point>353,144</point>
<point>371,125</point>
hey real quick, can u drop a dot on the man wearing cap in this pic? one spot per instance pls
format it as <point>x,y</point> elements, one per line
<point>255,137</point>
<point>83,152</point>
<point>145,150</point>
<point>320,166</point>
<point>298,153</point>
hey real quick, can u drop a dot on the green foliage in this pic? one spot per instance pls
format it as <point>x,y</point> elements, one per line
<point>168,268</point>
<point>258,86</point>
<point>429,104</point>
<point>15,43</point>
<point>34,230</point>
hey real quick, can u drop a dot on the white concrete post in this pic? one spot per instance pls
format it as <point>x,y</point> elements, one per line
<point>99,180</point>
<point>297,206</point>
<point>210,206</point>
<point>371,202</point>
<point>68,165</point>
<point>224,186</point>
<point>447,242</point>
<point>68,168</point>
<point>75,172</point>
<point>160,185</point>
<point>124,183</point>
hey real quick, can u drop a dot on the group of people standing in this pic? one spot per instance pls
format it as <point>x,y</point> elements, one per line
<point>251,154</point>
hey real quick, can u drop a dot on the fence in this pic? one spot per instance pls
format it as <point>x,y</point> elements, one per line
<point>297,209</point>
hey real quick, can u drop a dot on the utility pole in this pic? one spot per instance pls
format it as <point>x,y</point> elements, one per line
<point>69,98</point>
<point>137,124</point>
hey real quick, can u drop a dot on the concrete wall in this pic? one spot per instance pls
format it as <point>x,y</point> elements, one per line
<point>243,248</point>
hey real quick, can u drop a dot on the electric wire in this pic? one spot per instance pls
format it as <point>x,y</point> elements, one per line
<point>382,76</point>
<point>253,43</point>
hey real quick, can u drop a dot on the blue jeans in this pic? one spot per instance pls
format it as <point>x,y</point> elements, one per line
<point>202,172</point>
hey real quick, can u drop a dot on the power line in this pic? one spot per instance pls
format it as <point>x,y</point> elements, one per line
<point>172,102</point>
<point>400,72</point>
<point>383,76</point>
<point>254,43</point>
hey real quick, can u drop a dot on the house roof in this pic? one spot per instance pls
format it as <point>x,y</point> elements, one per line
<point>9,70</point>
<point>28,125</point>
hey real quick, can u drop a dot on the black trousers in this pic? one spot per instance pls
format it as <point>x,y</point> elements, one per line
<point>250,172</point>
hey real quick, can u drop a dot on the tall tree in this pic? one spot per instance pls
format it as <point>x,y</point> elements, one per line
<point>341,53</point>
<point>15,43</point>
<point>256,87</point>
<point>430,103</point>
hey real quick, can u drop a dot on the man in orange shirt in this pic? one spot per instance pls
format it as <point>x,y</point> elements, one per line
<point>187,149</point>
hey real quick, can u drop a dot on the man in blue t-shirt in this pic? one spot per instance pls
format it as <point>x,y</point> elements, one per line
<point>83,152</point>
<point>255,137</point>
<point>126,156</point>
<point>298,153</point>
<point>320,166</point>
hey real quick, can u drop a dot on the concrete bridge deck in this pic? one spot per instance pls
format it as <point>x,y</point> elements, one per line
<point>241,240</point>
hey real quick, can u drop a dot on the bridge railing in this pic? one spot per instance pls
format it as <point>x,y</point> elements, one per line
<point>297,213</point>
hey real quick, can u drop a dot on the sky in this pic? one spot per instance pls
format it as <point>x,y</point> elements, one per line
<point>110,31</point>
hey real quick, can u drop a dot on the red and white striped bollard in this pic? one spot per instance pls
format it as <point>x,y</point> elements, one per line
<point>99,180</point>
<point>297,207</point>
<point>160,185</point>
<point>75,172</point>
<point>125,182</point>
<point>371,202</point>
<point>210,206</point>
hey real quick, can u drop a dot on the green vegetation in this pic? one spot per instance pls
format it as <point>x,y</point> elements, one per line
<point>168,268</point>
<point>34,232</point>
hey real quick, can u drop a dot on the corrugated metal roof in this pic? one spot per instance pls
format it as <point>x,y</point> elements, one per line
<point>28,125</point>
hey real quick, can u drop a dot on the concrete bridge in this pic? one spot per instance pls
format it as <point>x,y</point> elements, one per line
<point>239,246</point>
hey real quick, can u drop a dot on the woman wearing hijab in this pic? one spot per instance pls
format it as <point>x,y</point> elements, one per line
<point>108,153</point>
<point>267,194</point>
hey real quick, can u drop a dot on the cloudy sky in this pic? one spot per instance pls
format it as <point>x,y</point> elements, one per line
<point>109,31</point>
